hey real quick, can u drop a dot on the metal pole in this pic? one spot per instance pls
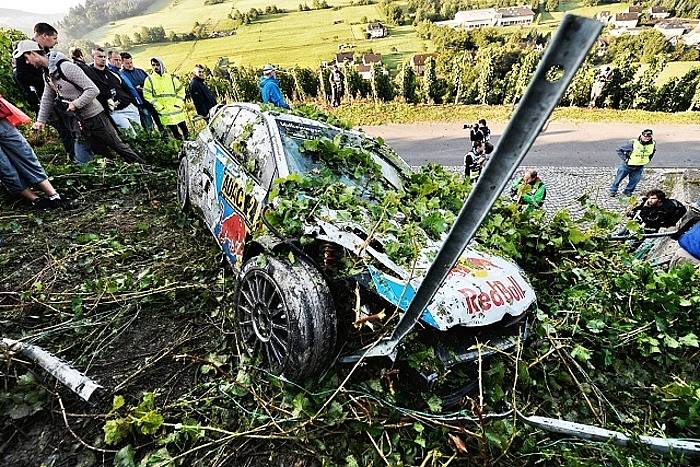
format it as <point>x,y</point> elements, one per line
<point>562,59</point>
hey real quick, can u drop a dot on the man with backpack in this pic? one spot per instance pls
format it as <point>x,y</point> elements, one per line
<point>31,82</point>
<point>69,88</point>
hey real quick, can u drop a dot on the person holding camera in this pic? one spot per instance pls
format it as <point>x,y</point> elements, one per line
<point>474,160</point>
<point>69,88</point>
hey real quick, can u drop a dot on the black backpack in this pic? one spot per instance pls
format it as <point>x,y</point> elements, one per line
<point>675,213</point>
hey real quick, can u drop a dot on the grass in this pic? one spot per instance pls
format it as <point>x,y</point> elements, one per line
<point>674,69</point>
<point>293,38</point>
<point>368,113</point>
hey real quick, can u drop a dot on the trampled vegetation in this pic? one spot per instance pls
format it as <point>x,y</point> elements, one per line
<point>134,292</point>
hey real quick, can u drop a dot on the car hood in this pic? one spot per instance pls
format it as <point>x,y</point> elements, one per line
<point>480,290</point>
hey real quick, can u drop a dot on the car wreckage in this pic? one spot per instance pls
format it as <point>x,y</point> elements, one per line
<point>326,285</point>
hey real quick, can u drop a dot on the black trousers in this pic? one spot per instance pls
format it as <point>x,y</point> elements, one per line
<point>102,136</point>
<point>65,133</point>
<point>180,128</point>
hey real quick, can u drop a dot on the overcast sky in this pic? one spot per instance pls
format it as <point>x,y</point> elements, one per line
<point>40,6</point>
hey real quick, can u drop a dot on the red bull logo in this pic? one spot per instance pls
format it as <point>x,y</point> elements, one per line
<point>232,234</point>
<point>470,267</point>
<point>498,294</point>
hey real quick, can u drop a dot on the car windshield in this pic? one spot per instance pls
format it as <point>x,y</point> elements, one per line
<point>294,134</point>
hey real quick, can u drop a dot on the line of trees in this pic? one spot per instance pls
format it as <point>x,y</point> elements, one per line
<point>83,18</point>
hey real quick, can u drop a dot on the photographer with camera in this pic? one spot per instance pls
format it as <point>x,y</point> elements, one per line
<point>474,160</point>
<point>69,88</point>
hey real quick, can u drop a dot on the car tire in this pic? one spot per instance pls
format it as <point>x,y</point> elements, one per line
<point>284,314</point>
<point>183,188</point>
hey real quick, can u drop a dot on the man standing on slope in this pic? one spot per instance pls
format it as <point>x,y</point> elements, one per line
<point>270,88</point>
<point>635,154</point>
<point>167,94</point>
<point>201,96</point>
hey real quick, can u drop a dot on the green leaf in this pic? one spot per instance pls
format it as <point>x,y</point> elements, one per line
<point>581,353</point>
<point>689,340</point>
<point>159,458</point>
<point>435,404</point>
<point>125,457</point>
<point>150,422</point>
<point>116,430</point>
<point>117,403</point>
<point>350,461</point>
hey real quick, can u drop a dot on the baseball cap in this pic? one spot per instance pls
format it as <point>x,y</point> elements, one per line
<point>268,68</point>
<point>647,132</point>
<point>25,46</point>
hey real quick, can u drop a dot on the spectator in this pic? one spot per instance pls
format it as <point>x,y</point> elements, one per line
<point>31,82</point>
<point>688,238</point>
<point>105,94</point>
<point>20,169</point>
<point>657,211</point>
<point>167,95</point>
<point>137,77</point>
<point>201,96</point>
<point>270,88</point>
<point>69,87</point>
<point>603,77</point>
<point>122,109</point>
<point>486,131</point>
<point>635,155</point>
<point>336,81</point>
<point>114,64</point>
<point>529,190</point>
<point>475,133</point>
<point>474,160</point>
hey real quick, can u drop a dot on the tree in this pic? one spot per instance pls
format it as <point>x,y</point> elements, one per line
<point>645,96</point>
<point>406,83</point>
<point>486,73</point>
<point>117,40</point>
<point>551,5</point>
<point>126,42</point>
<point>430,82</point>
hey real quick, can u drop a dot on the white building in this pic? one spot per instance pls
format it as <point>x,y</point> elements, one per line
<point>670,29</point>
<point>471,19</point>
<point>659,12</point>
<point>692,38</point>
<point>626,20</point>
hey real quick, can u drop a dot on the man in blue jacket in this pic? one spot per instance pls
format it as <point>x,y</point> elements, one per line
<point>270,88</point>
<point>688,237</point>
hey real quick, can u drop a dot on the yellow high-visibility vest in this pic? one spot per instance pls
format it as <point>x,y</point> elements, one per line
<point>167,94</point>
<point>641,153</point>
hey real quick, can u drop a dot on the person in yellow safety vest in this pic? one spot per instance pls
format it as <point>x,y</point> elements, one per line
<point>167,95</point>
<point>635,155</point>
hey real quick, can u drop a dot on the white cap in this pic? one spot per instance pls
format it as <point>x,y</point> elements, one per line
<point>25,46</point>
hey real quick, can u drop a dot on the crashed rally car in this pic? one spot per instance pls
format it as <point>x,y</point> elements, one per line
<point>318,280</point>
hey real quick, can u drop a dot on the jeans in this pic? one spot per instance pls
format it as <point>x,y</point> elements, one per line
<point>19,167</point>
<point>634,172</point>
<point>126,117</point>
<point>83,153</point>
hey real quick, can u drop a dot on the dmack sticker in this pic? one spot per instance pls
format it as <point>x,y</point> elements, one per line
<point>232,237</point>
<point>233,191</point>
<point>498,294</point>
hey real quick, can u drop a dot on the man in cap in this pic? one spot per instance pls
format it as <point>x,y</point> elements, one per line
<point>200,93</point>
<point>635,154</point>
<point>270,88</point>
<point>31,83</point>
<point>167,94</point>
<point>70,88</point>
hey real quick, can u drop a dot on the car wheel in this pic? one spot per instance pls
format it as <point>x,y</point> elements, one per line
<point>285,316</point>
<point>183,180</point>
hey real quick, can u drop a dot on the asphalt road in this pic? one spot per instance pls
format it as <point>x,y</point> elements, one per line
<point>563,144</point>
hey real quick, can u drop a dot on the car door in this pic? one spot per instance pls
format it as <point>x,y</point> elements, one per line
<point>243,174</point>
<point>205,192</point>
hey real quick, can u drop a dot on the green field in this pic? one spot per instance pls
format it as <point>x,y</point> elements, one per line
<point>549,20</point>
<point>293,38</point>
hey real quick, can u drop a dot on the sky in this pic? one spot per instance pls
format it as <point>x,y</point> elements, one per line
<point>40,6</point>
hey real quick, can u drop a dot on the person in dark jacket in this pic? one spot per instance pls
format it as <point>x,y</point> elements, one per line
<point>657,211</point>
<point>201,96</point>
<point>31,82</point>
<point>270,88</point>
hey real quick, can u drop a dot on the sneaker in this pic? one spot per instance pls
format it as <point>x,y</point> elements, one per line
<point>613,194</point>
